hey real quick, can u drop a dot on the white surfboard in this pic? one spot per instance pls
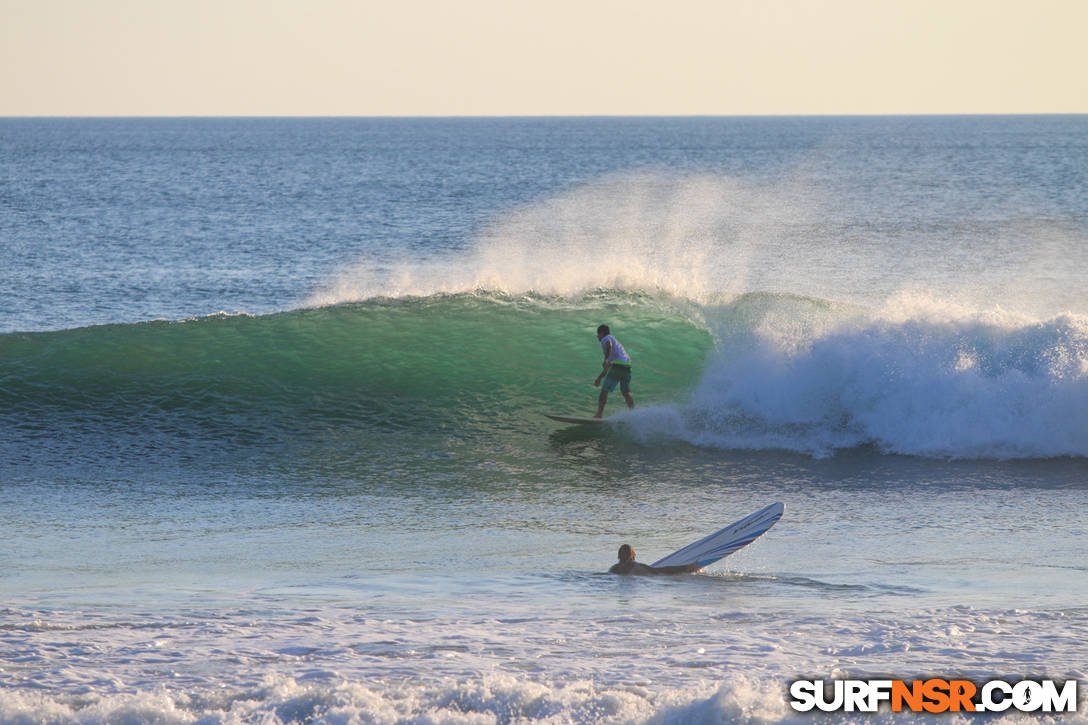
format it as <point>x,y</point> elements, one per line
<point>708,550</point>
<point>575,420</point>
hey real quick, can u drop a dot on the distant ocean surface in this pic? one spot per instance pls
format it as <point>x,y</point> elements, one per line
<point>272,396</point>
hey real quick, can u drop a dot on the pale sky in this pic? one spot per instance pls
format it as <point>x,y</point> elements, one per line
<point>547,57</point>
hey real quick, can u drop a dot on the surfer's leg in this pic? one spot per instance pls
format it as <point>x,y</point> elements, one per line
<point>629,399</point>
<point>601,400</point>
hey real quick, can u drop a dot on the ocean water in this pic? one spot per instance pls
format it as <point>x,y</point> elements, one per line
<point>272,397</point>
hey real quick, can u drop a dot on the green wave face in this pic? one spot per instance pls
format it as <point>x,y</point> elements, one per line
<point>462,362</point>
<point>469,375</point>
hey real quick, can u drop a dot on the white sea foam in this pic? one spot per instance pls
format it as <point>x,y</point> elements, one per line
<point>485,701</point>
<point>332,666</point>
<point>917,377</point>
<point>489,700</point>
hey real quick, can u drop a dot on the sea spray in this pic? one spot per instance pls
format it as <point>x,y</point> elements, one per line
<point>689,236</point>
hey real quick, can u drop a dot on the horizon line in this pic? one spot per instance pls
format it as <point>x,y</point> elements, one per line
<point>543,116</point>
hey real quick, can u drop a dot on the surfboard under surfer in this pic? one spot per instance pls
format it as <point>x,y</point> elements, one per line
<point>628,566</point>
<point>616,370</point>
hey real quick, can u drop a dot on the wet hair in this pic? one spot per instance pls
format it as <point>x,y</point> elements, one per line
<point>603,330</point>
<point>627,553</point>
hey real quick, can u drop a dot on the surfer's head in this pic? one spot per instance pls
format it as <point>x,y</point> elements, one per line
<point>627,553</point>
<point>602,331</point>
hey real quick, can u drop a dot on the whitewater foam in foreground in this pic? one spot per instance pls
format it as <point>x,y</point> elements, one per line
<point>338,666</point>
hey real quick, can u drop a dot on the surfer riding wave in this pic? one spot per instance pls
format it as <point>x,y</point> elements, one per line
<point>616,370</point>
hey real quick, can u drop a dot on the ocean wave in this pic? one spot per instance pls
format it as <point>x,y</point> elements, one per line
<point>758,371</point>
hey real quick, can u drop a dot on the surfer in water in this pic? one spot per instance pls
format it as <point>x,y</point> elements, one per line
<point>628,565</point>
<point>616,370</point>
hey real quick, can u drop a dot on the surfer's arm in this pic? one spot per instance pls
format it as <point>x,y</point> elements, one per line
<point>682,569</point>
<point>600,377</point>
<point>633,567</point>
<point>605,365</point>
